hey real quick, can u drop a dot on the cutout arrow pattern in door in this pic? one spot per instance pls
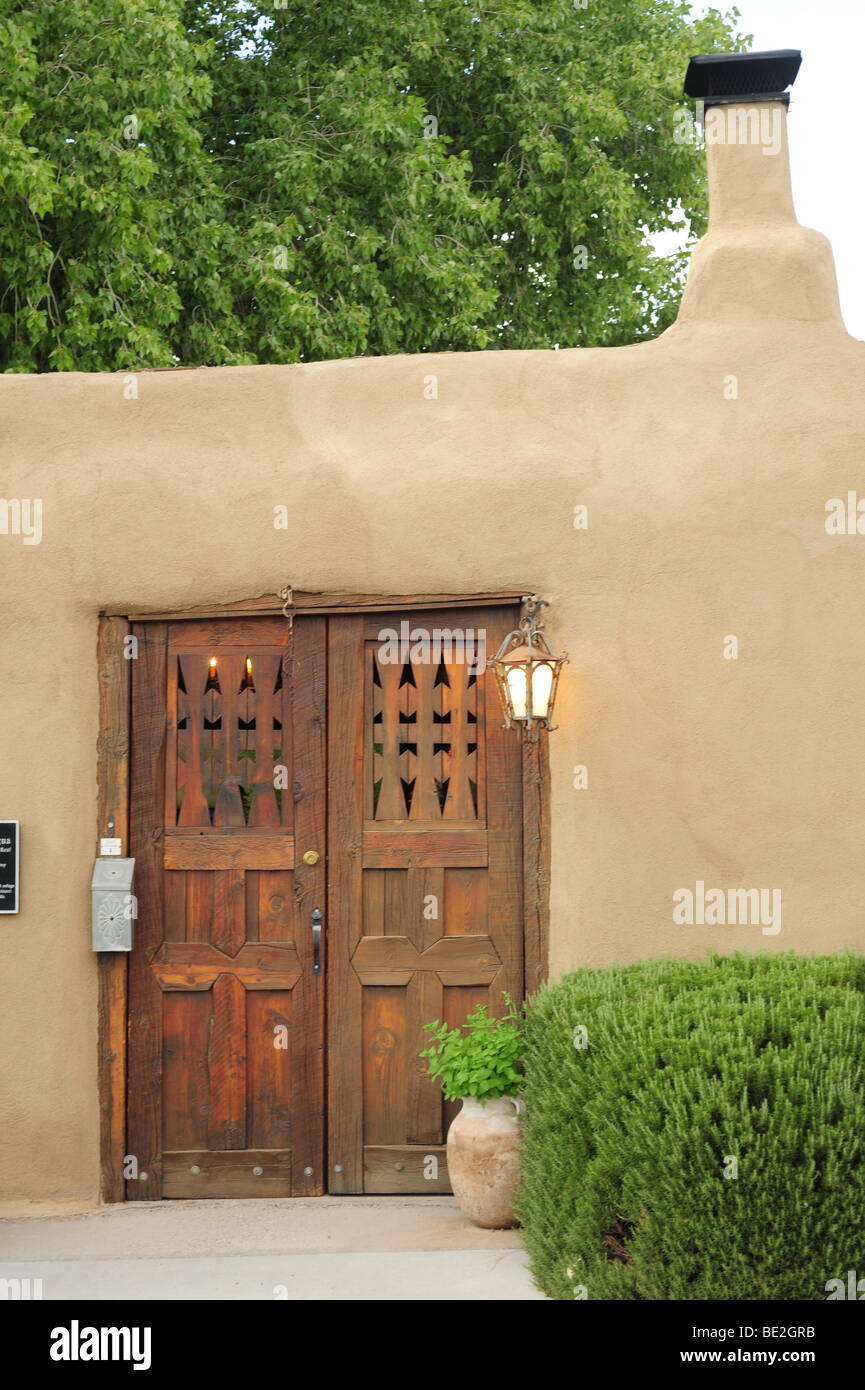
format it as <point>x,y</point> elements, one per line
<point>425,739</point>
<point>229,738</point>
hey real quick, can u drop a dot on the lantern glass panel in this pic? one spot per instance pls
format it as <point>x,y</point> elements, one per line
<point>542,684</point>
<point>517,688</point>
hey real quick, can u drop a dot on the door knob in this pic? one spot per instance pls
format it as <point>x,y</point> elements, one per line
<point>311,857</point>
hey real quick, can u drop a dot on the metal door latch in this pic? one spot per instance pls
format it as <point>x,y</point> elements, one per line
<point>316,940</point>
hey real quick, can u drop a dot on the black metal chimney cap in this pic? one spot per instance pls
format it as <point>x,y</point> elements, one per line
<point>760,76</point>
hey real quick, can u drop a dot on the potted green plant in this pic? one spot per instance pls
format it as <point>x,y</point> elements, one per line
<point>481,1065</point>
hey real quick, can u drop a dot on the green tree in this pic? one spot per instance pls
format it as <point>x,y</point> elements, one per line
<point>360,233</point>
<point>112,230</point>
<point>219,181</point>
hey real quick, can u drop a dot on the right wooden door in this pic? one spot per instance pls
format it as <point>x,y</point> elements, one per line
<point>425,884</point>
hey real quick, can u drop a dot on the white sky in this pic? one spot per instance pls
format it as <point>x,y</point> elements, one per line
<point>824,124</point>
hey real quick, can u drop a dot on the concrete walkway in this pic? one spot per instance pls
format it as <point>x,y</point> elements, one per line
<point>358,1248</point>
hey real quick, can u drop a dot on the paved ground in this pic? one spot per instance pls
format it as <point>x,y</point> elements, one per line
<point>370,1248</point>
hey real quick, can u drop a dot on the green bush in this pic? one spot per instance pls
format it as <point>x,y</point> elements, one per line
<point>687,1066</point>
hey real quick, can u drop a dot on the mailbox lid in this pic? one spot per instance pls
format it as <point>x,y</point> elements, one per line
<point>113,873</point>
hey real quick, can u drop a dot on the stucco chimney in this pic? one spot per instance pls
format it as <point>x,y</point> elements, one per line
<point>755,261</point>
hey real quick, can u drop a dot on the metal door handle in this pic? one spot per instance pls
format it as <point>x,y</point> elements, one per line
<point>316,940</point>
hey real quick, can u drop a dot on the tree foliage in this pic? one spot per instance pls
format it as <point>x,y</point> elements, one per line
<point>218,181</point>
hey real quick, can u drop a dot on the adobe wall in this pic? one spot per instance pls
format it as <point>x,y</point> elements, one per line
<point>706,520</point>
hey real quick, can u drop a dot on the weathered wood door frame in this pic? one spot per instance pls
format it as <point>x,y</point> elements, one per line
<point>114,672</point>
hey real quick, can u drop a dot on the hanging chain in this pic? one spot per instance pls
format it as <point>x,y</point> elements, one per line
<point>287,596</point>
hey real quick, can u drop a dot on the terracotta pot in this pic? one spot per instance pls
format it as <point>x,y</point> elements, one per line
<point>484,1159</point>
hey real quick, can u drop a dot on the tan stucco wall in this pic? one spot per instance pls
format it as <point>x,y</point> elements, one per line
<point>705,519</point>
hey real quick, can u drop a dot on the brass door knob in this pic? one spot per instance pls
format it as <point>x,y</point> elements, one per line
<point>311,857</point>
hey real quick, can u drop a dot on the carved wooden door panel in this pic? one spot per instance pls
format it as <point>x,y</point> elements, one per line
<point>226,1010</point>
<point>425,878</point>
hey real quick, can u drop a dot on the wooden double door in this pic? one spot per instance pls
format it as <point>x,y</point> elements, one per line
<point>328,836</point>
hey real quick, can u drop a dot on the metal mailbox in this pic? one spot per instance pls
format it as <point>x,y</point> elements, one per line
<point>113,905</point>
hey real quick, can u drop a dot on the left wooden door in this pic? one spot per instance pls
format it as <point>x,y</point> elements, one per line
<point>226,1005</point>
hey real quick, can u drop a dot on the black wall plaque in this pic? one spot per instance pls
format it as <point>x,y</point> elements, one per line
<point>8,866</point>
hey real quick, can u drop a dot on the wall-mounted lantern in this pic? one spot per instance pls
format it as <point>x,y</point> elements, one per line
<point>527,670</point>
